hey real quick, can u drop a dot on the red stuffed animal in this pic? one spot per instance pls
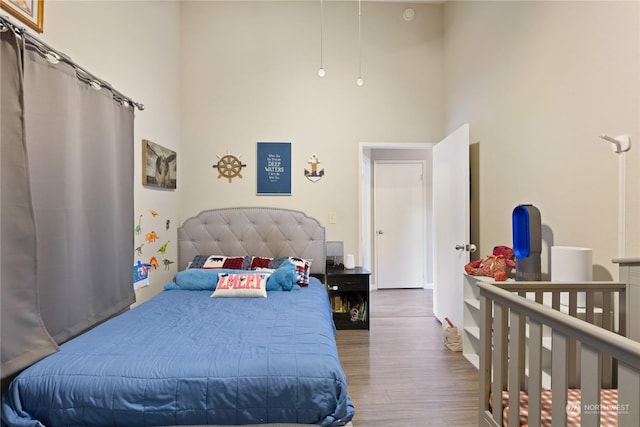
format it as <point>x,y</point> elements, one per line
<point>496,265</point>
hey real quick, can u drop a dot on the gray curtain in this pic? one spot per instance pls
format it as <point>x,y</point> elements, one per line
<point>79,145</point>
<point>24,338</point>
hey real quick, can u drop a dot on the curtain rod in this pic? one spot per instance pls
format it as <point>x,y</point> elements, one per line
<point>54,56</point>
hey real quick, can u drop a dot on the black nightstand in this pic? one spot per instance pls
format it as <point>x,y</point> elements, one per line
<point>349,297</point>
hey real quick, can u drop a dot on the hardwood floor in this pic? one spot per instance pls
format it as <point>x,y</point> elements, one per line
<point>400,374</point>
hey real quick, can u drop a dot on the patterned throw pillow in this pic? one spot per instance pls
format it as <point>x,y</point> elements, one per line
<point>219,261</point>
<point>198,261</point>
<point>303,268</point>
<point>259,262</point>
<point>241,285</point>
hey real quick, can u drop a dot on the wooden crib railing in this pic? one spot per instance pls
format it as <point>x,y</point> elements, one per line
<point>516,328</point>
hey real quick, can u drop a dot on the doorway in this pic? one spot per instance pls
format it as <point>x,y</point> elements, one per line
<point>399,217</point>
<point>447,233</point>
<point>398,152</point>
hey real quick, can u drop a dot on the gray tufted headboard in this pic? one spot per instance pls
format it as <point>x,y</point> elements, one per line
<point>266,232</point>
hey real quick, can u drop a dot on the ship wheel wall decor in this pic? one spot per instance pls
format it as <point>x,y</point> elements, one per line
<point>229,166</point>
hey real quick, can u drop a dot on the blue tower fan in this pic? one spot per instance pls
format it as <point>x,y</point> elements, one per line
<point>527,242</point>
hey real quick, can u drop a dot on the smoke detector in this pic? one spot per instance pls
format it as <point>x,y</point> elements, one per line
<point>408,14</point>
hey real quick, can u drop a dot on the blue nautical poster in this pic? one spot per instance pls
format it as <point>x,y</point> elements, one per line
<point>274,168</point>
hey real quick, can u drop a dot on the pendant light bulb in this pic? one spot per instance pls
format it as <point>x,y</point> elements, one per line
<point>321,70</point>
<point>359,81</point>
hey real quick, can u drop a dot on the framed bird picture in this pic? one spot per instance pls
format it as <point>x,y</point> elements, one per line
<point>158,166</point>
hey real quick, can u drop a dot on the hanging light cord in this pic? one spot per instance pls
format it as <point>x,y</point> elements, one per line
<point>359,81</point>
<point>321,71</point>
<point>359,38</point>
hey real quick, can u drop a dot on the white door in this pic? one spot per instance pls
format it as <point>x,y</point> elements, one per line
<point>399,224</point>
<point>451,223</point>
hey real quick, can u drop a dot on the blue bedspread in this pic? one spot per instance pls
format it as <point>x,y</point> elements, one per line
<point>185,358</point>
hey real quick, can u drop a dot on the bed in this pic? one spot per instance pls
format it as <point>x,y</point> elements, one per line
<point>543,363</point>
<point>185,358</point>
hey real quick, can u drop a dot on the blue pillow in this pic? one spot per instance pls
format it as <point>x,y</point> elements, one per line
<point>198,279</point>
<point>284,278</point>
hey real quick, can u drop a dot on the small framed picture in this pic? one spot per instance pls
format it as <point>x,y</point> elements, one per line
<point>30,12</point>
<point>158,166</point>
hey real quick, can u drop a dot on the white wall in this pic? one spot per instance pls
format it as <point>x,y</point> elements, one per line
<point>134,46</point>
<point>250,74</point>
<point>539,82</point>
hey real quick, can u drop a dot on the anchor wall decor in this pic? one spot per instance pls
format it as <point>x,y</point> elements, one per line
<point>314,174</point>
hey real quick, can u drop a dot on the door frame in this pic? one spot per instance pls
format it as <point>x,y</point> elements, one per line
<point>365,204</point>
<point>375,245</point>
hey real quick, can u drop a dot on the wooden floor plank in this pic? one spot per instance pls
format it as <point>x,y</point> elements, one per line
<point>400,374</point>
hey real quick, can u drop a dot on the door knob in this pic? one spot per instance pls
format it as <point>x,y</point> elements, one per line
<point>468,248</point>
<point>379,231</point>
